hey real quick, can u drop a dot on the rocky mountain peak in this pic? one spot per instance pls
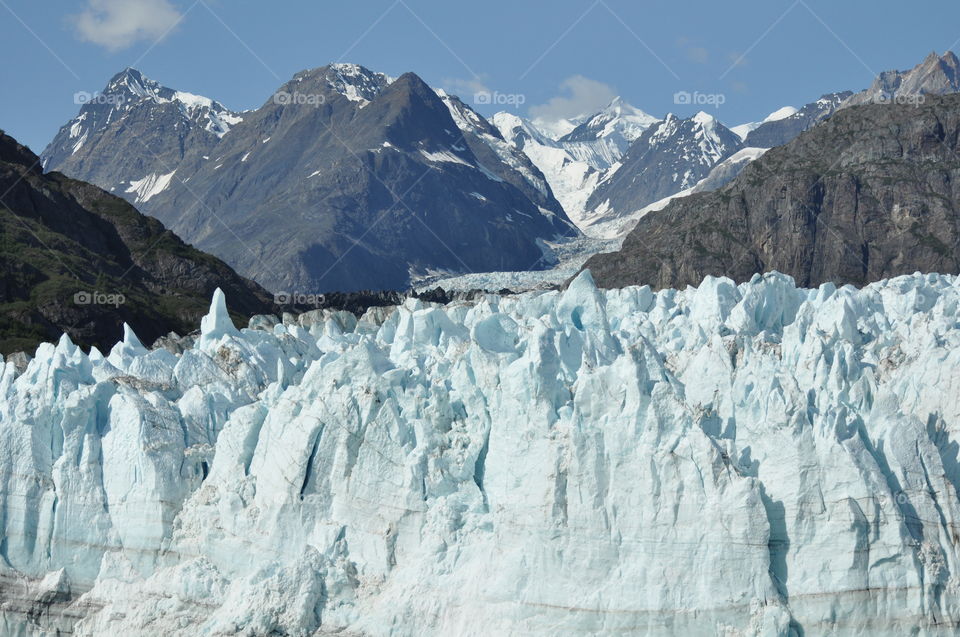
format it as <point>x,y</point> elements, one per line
<point>935,75</point>
<point>353,81</point>
<point>669,156</point>
<point>130,88</point>
<point>132,98</point>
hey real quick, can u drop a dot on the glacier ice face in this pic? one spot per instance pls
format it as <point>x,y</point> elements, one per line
<point>738,460</point>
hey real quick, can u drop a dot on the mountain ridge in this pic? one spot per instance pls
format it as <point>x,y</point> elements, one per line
<point>343,180</point>
<point>868,194</point>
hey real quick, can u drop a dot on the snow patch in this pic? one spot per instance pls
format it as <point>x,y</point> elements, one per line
<point>150,186</point>
<point>444,156</point>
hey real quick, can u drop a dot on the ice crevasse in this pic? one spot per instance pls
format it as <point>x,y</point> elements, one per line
<point>752,459</point>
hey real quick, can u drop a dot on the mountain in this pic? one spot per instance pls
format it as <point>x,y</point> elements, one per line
<point>782,126</point>
<point>345,179</point>
<point>573,163</point>
<point>736,460</point>
<point>868,194</point>
<point>936,75</point>
<point>571,180</point>
<point>781,113</point>
<point>487,143</point>
<point>79,260</point>
<point>776,129</point>
<point>130,137</point>
<point>668,157</point>
<point>518,131</point>
<point>604,137</point>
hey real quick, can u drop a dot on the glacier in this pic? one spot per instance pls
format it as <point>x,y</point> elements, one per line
<point>752,459</point>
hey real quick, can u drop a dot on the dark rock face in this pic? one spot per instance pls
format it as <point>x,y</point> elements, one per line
<point>342,181</point>
<point>76,259</point>
<point>868,194</point>
<point>781,131</point>
<point>668,157</point>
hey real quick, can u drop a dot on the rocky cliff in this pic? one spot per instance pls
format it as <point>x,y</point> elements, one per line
<point>868,194</point>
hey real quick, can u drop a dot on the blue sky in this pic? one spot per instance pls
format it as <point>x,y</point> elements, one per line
<point>559,56</point>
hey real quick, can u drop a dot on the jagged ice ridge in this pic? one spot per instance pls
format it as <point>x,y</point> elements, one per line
<point>739,460</point>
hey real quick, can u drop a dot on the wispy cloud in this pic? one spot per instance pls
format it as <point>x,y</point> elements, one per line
<point>693,52</point>
<point>117,24</point>
<point>465,88</point>
<point>579,96</point>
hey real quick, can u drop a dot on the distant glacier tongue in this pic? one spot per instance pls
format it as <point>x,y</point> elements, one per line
<point>726,460</point>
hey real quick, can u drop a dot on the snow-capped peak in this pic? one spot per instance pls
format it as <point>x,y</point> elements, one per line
<point>138,85</point>
<point>781,113</point>
<point>704,119</point>
<point>784,112</point>
<point>357,83</point>
<point>131,88</point>
<point>619,121</point>
<point>627,113</point>
<point>130,79</point>
<point>347,69</point>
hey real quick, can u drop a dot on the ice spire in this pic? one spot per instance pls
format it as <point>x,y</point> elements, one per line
<point>130,347</point>
<point>217,322</point>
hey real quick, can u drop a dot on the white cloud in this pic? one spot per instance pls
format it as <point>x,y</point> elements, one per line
<point>465,89</point>
<point>116,24</point>
<point>579,96</point>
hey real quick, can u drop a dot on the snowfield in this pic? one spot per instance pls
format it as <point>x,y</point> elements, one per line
<point>727,460</point>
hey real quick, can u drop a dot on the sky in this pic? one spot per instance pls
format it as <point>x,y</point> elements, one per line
<point>739,60</point>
